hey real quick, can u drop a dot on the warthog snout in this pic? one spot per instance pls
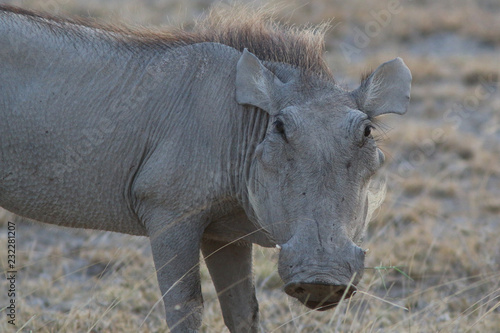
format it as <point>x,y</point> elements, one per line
<point>319,296</point>
<point>322,280</point>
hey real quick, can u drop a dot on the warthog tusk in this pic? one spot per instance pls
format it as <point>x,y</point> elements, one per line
<point>278,246</point>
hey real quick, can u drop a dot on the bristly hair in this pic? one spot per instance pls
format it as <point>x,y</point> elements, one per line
<point>237,26</point>
<point>366,74</point>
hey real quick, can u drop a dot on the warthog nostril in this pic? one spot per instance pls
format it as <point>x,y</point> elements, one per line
<point>319,296</point>
<point>299,290</point>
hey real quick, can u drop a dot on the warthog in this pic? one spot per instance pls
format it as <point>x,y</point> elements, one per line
<point>214,139</point>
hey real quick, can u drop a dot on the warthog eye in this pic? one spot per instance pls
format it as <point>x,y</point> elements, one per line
<point>368,130</point>
<point>280,128</point>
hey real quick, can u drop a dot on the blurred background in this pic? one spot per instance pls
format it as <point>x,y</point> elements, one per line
<point>434,260</point>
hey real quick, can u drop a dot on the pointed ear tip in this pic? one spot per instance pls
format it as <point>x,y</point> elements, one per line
<point>397,61</point>
<point>248,55</point>
<point>245,58</point>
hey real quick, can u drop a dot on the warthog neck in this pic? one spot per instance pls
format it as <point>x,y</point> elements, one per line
<point>251,131</point>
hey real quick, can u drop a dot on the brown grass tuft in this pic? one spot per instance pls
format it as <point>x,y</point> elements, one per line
<point>237,26</point>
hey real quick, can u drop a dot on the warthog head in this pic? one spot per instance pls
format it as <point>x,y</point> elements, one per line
<point>310,175</point>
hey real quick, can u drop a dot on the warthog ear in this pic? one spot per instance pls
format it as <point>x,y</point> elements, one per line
<point>255,84</point>
<point>386,90</point>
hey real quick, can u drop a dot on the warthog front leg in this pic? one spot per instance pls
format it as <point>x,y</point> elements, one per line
<point>176,253</point>
<point>230,266</point>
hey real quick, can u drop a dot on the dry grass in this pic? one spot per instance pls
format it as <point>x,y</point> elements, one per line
<point>439,224</point>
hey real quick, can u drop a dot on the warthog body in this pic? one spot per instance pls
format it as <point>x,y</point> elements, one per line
<point>199,144</point>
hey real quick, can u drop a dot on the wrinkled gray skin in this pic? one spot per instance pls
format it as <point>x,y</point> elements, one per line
<point>197,147</point>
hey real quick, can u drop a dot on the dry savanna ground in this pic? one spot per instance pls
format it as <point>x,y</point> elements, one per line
<point>434,260</point>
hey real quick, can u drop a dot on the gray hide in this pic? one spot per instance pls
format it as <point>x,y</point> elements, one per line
<point>198,147</point>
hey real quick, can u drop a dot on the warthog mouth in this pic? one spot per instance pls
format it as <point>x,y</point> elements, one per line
<point>319,296</point>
